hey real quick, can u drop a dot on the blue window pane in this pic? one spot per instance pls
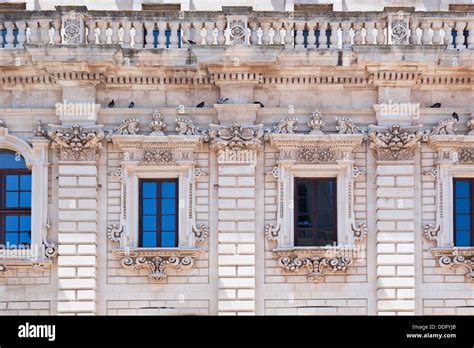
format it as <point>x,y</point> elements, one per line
<point>149,206</point>
<point>11,160</point>
<point>463,238</point>
<point>168,239</point>
<point>149,189</point>
<point>11,182</point>
<point>25,199</point>
<point>11,239</point>
<point>25,182</point>
<point>11,199</point>
<point>25,238</point>
<point>168,222</point>
<point>463,222</point>
<point>149,239</point>
<point>168,206</point>
<point>462,189</point>
<point>25,223</point>
<point>149,223</point>
<point>11,223</point>
<point>168,189</point>
<point>463,206</point>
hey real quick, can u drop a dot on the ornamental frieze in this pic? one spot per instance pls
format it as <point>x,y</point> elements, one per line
<point>319,155</point>
<point>157,157</point>
<point>395,143</point>
<point>76,143</point>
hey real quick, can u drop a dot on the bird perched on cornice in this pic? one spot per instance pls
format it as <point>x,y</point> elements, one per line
<point>131,105</point>
<point>456,116</point>
<point>200,105</point>
<point>436,105</point>
<point>222,100</point>
<point>260,103</point>
<point>111,104</point>
<point>191,42</point>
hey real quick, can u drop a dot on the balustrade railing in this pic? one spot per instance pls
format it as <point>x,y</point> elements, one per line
<point>180,29</point>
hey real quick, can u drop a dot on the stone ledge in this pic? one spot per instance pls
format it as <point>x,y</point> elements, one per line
<point>38,265</point>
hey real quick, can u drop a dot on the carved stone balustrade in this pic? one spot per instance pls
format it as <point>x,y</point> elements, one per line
<point>149,29</point>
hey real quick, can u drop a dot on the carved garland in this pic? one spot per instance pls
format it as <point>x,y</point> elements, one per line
<point>315,265</point>
<point>157,265</point>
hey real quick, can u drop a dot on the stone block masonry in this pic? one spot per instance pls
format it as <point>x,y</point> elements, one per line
<point>236,239</point>
<point>77,233</point>
<point>395,238</point>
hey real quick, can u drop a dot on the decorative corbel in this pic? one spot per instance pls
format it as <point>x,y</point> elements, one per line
<point>272,231</point>
<point>51,249</point>
<point>359,231</point>
<point>431,233</point>
<point>201,232</point>
<point>157,265</point>
<point>114,232</point>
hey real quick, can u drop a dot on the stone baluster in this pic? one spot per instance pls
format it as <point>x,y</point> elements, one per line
<point>334,38</point>
<point>221,39</point>
<point>253,33</point>
<point>448,38</point>
<point>202,33</point>
<point>413,39</point>
<point>126,25</point>
<point>115,26</point>
<point>299,29</point>
<point>150,36</point>
<point>460,34</point>
<point>57,32</point>
<point>437,39</point>
<point>174,27</point>
<point>108,34</point>
<point>209,38</point>
<point>276,33</point>
<point>140,33</point>
<point>9,36</point>
<point>311,38</point>
<point>369,33</point>
<point>21,37</point>
<point>380,39</point>
<point>195,33</point>
<point>133,35</point>
<point>425,34</point>
<point>90,32</point>
<point>120,34</point>
<point>265,33</point>
<point>323,39</point>
<point>185,33</point>
<point>358,34</point>
<point>44,27</point>
<point>288,34</point>
<point>346,34</point>
<point>470,38</point>
<point>34,33</point>
<point>103,32</point>
<point>162,25</point>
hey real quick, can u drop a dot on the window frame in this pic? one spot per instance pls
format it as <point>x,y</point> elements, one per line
<point>4,211</point>
<point>140,211</point>
<point>314,181</point>
<point>471,210</point>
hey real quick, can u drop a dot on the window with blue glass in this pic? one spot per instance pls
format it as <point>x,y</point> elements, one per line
<point>15,201</point>
<point>463,212</point>
<point>158,213</point>
<point>315,212</point>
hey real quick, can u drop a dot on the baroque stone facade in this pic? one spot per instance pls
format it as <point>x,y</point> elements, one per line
<point>237,106</point>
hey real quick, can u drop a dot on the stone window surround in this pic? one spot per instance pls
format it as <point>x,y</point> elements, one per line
<point>36,159</point>
<point>448,167</point>
<point>157,156</point>
<point>329,156</point>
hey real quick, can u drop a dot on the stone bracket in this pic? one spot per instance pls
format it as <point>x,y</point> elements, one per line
<point>453,258</point>
<point>157,260</point>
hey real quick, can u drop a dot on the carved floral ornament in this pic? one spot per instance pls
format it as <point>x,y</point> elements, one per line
<point>76,143</point>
